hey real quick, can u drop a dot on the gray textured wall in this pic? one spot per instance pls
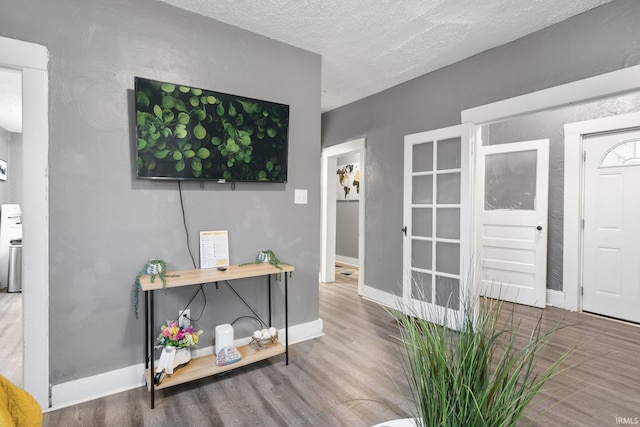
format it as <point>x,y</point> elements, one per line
<point>347,228</point>
<point>347,219</point>
<point>104,224</point>
<point>601,40</point>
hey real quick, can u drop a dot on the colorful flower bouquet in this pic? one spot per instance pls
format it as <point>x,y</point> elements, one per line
<point>173,335</point>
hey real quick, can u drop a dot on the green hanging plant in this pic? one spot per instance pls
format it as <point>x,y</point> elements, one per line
<point>266,255</point>
<point>154,268</point>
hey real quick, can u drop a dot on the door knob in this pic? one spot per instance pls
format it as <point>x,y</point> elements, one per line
<point>539,228</point>
<point>404,230</point>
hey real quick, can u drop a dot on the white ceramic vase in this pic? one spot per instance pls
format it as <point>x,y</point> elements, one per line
<point>173,357</point>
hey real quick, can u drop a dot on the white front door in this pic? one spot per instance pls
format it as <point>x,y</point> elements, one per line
<point>513,221</point>
<point>436,224</point>
<point>611,284</point>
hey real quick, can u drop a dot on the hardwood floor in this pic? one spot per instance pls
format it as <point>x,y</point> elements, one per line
<point>348,377</point>
<point>602,381</point>
<point>11,336</point>
<point>351,377</point>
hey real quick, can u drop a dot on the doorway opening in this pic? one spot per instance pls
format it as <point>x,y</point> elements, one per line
<point>11,188</point>
<point>347,155</point>
<point>32,60</point>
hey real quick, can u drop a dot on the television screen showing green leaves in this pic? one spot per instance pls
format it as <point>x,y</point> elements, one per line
<point>188,133</point>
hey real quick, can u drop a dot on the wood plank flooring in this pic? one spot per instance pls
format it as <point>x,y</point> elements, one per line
<point>345,378</point>
<point>351,377</point>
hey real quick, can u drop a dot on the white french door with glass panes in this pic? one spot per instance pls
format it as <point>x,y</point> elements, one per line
<point>436,224</point>
<point>512,233</point>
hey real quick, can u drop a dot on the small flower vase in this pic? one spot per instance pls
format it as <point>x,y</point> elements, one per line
<point>173,357</point>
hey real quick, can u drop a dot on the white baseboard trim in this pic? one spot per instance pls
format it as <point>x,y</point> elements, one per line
<point>94,387</point>
<point>304,331</point>
<point>347,260</point>
<point>556,298</point>
<point>382,297</point>
<point>123,379</point>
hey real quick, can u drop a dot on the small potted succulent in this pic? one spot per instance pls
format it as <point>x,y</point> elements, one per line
<point>154,268</point>
<point>267,255</point>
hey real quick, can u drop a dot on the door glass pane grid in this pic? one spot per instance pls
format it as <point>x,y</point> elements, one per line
<point>435,271</point>
<point>446,246</point>
<point>449,154</point>
<point>421,221</point>
<point>448,220</point>
<point>447,292</point>
<point>422,286</point>
<point>447,187</point>
<point>422,189</point>
<point>422,157</point>
<point>422,254</point>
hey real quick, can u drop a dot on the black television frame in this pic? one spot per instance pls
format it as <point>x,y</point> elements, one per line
<point>187,133</point>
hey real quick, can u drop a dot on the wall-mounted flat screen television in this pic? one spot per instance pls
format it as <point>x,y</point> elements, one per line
<point>187,133</point>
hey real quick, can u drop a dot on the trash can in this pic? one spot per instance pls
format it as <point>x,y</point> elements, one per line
<point>14,280</point>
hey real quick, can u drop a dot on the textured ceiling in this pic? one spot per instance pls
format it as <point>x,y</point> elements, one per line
<point>366,45</point>
<point>371,45</point>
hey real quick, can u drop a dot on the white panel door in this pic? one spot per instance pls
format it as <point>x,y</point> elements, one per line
<point>611,284</point>
<point>436,224</point>
<point>513,221</point>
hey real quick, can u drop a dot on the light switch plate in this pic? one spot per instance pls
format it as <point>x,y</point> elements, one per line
<point>300,197</point>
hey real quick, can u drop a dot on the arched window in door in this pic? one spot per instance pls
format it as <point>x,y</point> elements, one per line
<point>625,153</point>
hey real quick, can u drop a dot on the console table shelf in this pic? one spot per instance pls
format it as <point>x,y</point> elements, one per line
<point>201,367</point>
<point>205,366</point>
<point>180,278</point>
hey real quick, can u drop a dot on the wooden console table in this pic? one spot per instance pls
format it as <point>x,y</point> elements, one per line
<point>205,366</point>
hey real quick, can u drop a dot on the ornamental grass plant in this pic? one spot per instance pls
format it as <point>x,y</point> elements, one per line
<point>485,374</point>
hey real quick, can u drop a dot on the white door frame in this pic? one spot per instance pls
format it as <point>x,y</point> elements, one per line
<point>33,60</point>
<point>328,211</point>
<point>574,134</point>
<point>601,86</point>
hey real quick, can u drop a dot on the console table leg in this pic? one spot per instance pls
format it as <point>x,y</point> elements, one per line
<point>270,319</point>
<point>146,330</point>
<point>152,370</point>
<point>286,319</point>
